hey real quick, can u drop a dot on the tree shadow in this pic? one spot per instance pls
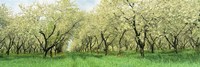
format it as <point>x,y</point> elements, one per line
<point>191,57</point>
<point>1,55</point>
<point>74,55</point>
<point>19,56</point>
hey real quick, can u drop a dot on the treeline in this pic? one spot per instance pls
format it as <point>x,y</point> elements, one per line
<point>120,25</point>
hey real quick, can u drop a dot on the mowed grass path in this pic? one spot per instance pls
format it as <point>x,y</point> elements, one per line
<point>128,59</point>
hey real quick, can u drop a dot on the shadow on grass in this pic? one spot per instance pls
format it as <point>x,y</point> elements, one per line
<point>74,55</point>
<point>185,56</point>
<point>4,57</point>
<point>1,55</point>
<point>191,57</point>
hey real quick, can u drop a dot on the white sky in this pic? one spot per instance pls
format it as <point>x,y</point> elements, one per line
<point>86,5</point>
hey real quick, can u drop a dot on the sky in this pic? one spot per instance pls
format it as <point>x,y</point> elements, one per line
<point>85,5</point>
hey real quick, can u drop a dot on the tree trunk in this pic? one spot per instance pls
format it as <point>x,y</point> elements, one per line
<point>8,52</point>
<point>17,51</point>
<point>141,49</point>
<point>105,43</point>
<point>175,49</point>
<point>142,52</point>
<point>120,41</point>
<point>106,50</point>
<point>152,48</point>
<point>45,53</point>
<point>51,53</point>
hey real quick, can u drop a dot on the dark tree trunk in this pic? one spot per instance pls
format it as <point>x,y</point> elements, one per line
<point>8,52</point>
<point>18,48</point>
<point>106,50</point>
<point>2,43</point>
<point>152,48</point>
<point>141,48</point>
<point>45,53</point>
<point>120,41</point>
<point>175,49</point>
<point>175,44</point>
<point>142,52</point>
<point>11,43</point>
<point>106,43</point>
<point>169,46</point>
<point>17,51</point>
<point>24,51</point>
<point>137,48</point>
<point>151,42</point>
<point>58,48</point>
<point>51,53</point>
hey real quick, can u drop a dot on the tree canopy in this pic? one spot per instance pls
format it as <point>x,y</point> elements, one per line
<point>114,25</point>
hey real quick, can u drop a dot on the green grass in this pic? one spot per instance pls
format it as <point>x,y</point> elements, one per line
<point>128,59</point>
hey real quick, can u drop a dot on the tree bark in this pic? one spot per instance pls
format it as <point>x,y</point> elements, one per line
<point>120,40</point>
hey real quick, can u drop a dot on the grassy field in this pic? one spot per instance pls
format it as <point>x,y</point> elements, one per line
<point>128,59</point>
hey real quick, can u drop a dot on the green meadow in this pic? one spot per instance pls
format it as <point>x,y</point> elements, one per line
<point>128,59</point>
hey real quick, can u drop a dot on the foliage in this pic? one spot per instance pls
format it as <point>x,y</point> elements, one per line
<point>113,26</point>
